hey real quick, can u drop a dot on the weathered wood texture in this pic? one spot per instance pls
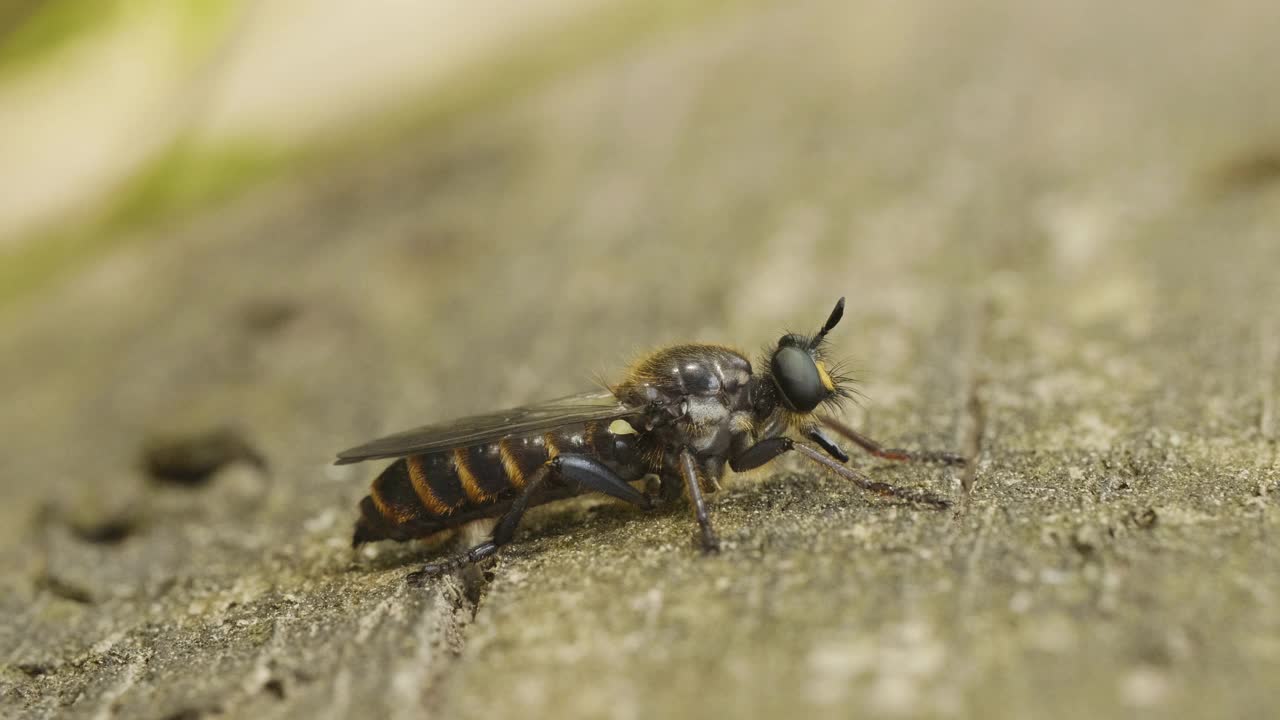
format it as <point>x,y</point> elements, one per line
<point>1057,227</point>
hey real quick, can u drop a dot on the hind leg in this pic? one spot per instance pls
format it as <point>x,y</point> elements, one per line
<point>581,471</point>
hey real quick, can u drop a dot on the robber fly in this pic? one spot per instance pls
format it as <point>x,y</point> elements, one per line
<point>682,413</point>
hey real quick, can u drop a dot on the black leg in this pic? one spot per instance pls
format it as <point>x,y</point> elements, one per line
<point>878,450</point>
<point>827,444</point>
<point>709,541</point>
<point>503,531</point>
<point>589,474</point>
<point>433,570</point>
<point>770,448</point>
<point>584,472</point>
<point>760,453</point>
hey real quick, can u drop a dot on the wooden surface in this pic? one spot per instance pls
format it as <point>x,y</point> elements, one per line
<point>1056,226</point>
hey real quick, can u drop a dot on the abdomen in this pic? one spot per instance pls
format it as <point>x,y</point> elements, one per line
<point>421,495</point>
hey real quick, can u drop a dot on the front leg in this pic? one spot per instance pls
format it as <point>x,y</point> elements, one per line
<point>876,449</point>
<point>770,448</point>
<point>827,444</point>
<point>760,453</point>
<point>880,488</point>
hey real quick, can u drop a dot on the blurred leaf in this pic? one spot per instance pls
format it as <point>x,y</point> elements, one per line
<point>179,180</point>
<point>41,28</point>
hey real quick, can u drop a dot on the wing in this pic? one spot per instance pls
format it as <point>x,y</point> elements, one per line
<point>464,432</point>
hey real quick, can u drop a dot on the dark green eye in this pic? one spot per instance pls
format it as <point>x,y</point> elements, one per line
<point>798,379</point>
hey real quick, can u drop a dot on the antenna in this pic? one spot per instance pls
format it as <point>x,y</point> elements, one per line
<point>836,314</point>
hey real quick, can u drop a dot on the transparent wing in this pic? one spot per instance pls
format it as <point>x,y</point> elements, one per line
<point>478,429</point>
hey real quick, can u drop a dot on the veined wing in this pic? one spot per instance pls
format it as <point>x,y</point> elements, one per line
<point>478,429</point>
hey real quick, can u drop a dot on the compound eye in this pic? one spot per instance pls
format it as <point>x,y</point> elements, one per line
<point>798,380</point>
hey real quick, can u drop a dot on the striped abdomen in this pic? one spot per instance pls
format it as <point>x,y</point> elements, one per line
<point>420,495</point>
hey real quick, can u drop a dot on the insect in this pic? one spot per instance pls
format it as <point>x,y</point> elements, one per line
<point>682,413</point>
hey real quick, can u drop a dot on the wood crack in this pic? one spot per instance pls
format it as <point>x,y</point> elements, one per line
<point>973,426</point>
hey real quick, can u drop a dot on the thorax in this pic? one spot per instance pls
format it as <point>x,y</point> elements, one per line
<point>697,396</point>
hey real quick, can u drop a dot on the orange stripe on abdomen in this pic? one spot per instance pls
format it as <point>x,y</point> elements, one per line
<point>422,486</point>
<point>393,495</point>
<point>516,474</point>
<point>442,479</point>
<point>526,454</point>
<point>486,465</point>
<point>470,484</point>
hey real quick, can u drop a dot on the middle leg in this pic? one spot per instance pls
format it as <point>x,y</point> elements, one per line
<point>710,543</point>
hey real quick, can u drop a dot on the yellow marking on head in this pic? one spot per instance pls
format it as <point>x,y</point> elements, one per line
<point>826,378</point>
<point>470,485</point>
<point>549,441</point>
<point>514,473</point>
<point>422,486</point>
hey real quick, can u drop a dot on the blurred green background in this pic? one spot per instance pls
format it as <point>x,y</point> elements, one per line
<point>119,114</point>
